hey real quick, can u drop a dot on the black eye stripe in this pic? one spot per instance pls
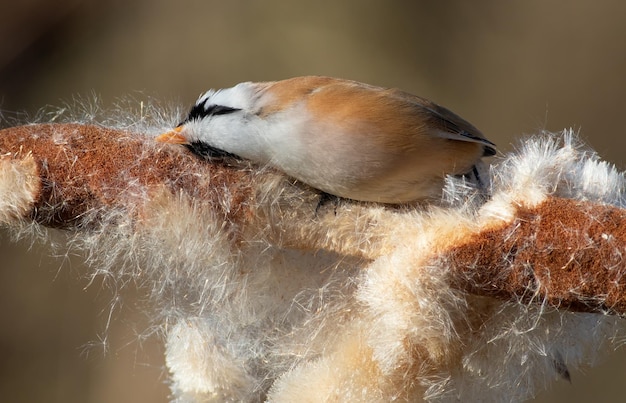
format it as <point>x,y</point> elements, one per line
<point>206,151</point>
<point>221,110</point>
<point>200,111</point>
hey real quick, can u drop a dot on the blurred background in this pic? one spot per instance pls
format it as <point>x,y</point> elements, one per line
<point>510,68</point>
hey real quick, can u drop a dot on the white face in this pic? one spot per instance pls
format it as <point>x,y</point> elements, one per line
<point>223,120</point>
<point>223,102</point>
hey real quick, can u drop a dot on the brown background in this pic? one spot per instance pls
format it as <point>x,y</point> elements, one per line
<point>511,68</point>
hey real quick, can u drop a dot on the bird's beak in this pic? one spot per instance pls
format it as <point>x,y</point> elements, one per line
<point>173,137</point>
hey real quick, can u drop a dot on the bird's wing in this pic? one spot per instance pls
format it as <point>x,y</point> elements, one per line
<point>449,125</point>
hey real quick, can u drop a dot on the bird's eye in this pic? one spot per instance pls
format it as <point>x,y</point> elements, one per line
<point>200,111</point>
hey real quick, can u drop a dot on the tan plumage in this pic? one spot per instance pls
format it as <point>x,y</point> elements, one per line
<point>343,137</point>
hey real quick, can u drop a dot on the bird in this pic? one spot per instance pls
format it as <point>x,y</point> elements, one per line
<point>345,138</point>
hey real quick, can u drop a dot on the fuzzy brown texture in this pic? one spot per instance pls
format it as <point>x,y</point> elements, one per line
<point>566,253</point>
<point>85,168</point>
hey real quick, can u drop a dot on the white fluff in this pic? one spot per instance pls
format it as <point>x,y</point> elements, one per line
<point>254,320</point>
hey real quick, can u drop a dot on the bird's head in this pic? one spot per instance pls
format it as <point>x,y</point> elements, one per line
<point>211,126</point>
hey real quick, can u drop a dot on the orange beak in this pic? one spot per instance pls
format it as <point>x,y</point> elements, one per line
<point>172,137</point>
